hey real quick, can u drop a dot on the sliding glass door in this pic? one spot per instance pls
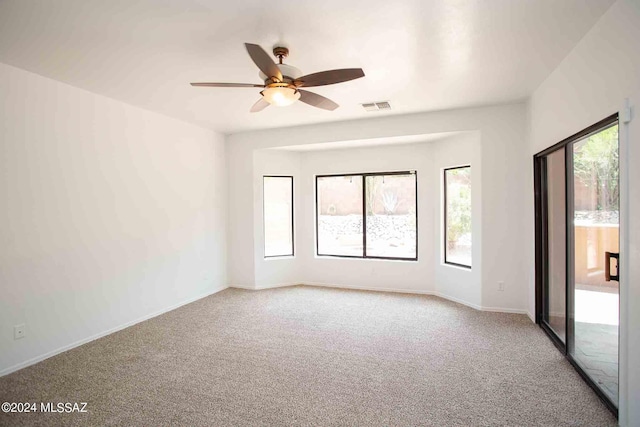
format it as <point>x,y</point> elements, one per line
<point>577,246</point>
<point>554,314</point>
<point>594,234</point>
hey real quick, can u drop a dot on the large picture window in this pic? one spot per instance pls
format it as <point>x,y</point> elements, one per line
<point>457,216</point>
<point>368,215</point>
<point>278,216</point>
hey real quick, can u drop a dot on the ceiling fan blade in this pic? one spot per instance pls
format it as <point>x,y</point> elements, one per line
<point>226,85</point>
<point>316,100</point>
<point>329,77</point>
<point>263,61</point>
<point>259,106</point>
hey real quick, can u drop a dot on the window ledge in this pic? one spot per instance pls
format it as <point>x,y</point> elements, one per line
<point>456,266</point>
<point>355,258</point>
<point>279,257</point>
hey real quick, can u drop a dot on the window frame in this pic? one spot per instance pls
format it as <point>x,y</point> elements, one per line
<point>364,175</point>
<point>445,215</point>
<point>264,225</point>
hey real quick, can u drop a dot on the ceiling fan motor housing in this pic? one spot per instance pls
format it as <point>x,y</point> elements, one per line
<point>289,73</point>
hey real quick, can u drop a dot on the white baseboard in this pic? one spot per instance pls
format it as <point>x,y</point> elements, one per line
<point>78,343</point>
<point>480,307</point>
<point>261,287</point>
<point>247,287</point>
<point>402,291</point>
<point>365,288</point>
<point>504,310</point>
<point>458,300</point>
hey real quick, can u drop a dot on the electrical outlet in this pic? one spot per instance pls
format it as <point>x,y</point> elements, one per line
<point>501,286</point>
<point>19,331</point>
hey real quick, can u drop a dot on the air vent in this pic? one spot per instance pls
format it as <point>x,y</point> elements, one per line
<point>376,106</point>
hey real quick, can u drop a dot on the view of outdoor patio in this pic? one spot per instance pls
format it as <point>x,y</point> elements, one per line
<point>596,231</point>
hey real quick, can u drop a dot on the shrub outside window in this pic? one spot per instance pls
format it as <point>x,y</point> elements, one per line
<point>457,216</point>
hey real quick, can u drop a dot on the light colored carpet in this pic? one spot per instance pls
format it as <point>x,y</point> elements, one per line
<point>314,356</point>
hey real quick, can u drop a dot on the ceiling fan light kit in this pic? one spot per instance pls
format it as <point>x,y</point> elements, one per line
<point>282,82</point>
<point>280,96</point>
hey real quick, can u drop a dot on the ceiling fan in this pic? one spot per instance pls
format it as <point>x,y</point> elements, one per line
<point>282,82</point>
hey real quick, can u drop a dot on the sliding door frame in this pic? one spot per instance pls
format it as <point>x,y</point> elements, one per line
<point>541,247</point>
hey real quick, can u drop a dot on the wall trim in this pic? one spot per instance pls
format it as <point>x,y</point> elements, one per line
<point>261,287</point>
<point>422,292</point>
<point>458,300</point>
<point>400,291</point>
<point>367,288</point>
<point>247,287</point>
<point>110,331</point>
<point>481,307</point>
<point>504,310</point>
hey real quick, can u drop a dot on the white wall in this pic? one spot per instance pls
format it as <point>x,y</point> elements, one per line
<point>413,276</point>
<point>428,160</point>
<point>458,284</point>
<point>109,214</point>
<point>503,155</point>
<point>590,84</point>
<point>630,268</point>
<point>282,270</point>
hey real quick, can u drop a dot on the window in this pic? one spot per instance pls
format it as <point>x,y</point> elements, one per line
<point>278,216</point>
<point>369,215</point>
<point>457,216</point>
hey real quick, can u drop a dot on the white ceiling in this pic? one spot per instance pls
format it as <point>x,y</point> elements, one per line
<point>420,55</point>
<point>372,142</point>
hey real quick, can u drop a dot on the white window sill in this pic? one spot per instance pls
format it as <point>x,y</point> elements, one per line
<point>348,258</point>
<point>281,257</point>
<point>457,267</point>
